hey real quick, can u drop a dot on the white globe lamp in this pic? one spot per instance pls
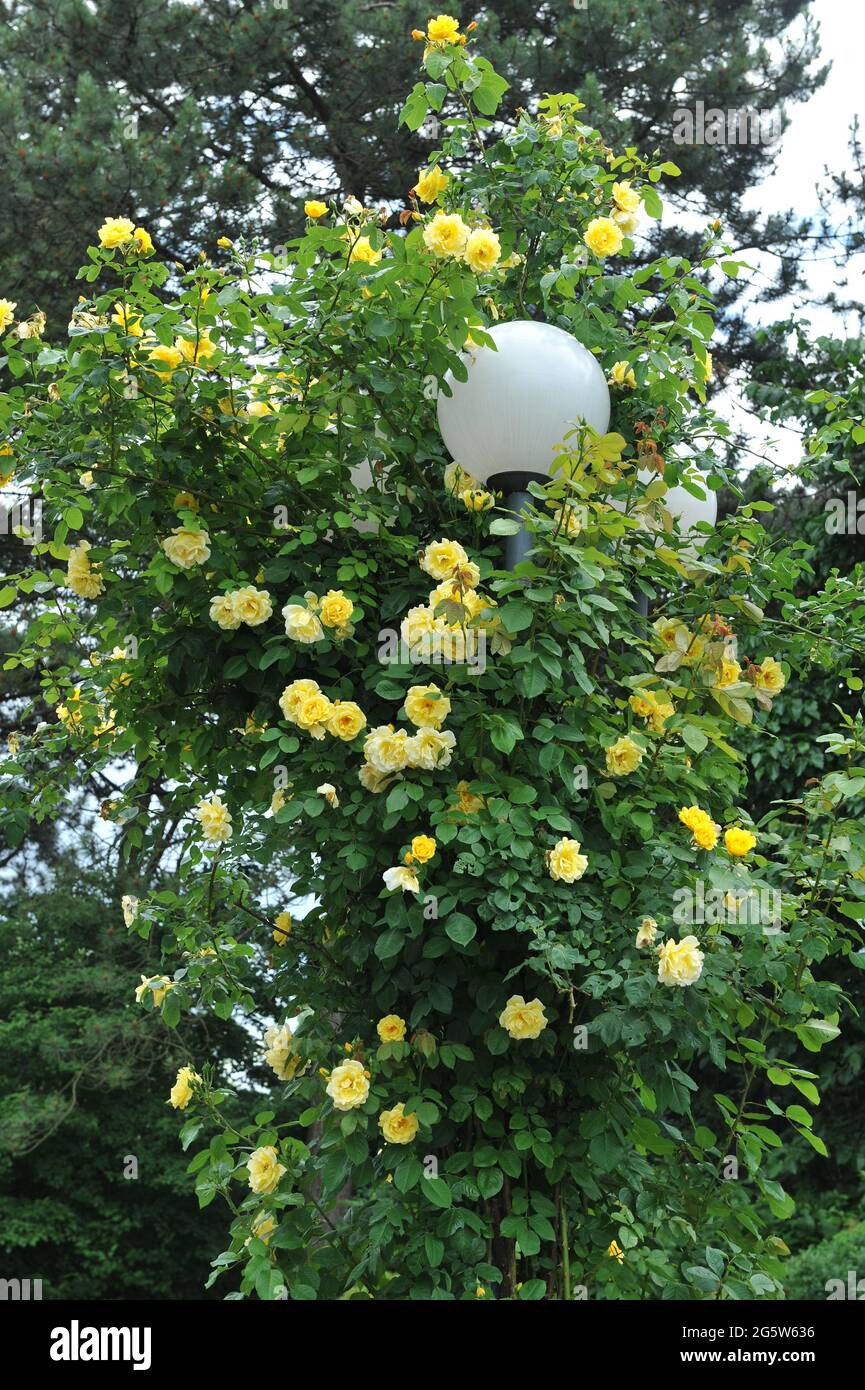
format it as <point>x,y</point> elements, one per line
<point>503,423</point>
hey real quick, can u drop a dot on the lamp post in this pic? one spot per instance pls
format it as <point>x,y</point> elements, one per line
<point>503,423</point>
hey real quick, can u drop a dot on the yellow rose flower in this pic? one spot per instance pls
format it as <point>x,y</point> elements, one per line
<point>170,357</point>
<point>143,241</point>
<point>728,673</point>
<point>186,548</point>
<point>522,1020</point>
<point>426,706</point>
<point>313,208</point>
<point>603,237</point>
<point>116,231</point>
<point>224,242</point>
<point>483,250</point>
<point>224,613</point>
<point>739,842</point>
<point>441,558</point>
<point>335,609</point>
<point>195,351</point>
<point>467,802</point>
<point>401,877</point>
<point>391,1028</point>
<point>622,375</point>
<point>443,29</point>
<point>263,1228</point>
<point>371,779</point>
<point>348,1086</point>
<point>301,624</point>
<point>769,676</point>
<point>83,578</point>
<point>701,825</point>
<point>430,748</point>
<point>279,1054</point>
<point>623,757</point>
<point>446,235</point>
<point>313,712</point>
<point>346,720</point>
<point>127,320</point>
<point>293,694</point>
<point>7,312</point>
<point>328,791</point>
<point>181,1091</point>
<point>680,962</point>
<point>396,1126</point>
<point>129,908</point>
<point>565,862</point>
<point>627,221</point>
<point>282,928</point>
<point>265,1170</point>
<point>214,818</point>
<point>363,250</point>
<point>423,847</point>
<point>155,985</point>
<point>430,183</point>
<point>647,931</point>
<point>253,606</point>
<point>385,748</point>
<point>625,197</point>
<point>477,500</point>
<point>615,1251</point>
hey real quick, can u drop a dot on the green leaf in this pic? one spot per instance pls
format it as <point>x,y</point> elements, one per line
<point>437,1191</point>
<point>460,928</point>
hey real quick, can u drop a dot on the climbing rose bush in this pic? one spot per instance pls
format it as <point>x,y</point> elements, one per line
<point>524,1041</point>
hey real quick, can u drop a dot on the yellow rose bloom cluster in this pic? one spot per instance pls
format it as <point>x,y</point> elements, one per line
<point>185,547</point>
<point>396,1126</point>
<point>654,707</point>
<point>388,751</point>
<point>247,605</point>
<point>265,1170</point>
<point>604,237</point>
<point>521,1020</point>
<point>119,231</point>
<point>83,578</point>
<point>623,756</point>
<point>214,818</point>
<point>739,842</point>
<point>307,622</point>
<point>391,1028</point>
<point>680,962</point>
<point>305,704</point>
<point>565,862</point>
<point>181,1091</point>
<point>701,826</point>
<point>279,1054</point>
<point>447,235</point>
<point>348,1086</point>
